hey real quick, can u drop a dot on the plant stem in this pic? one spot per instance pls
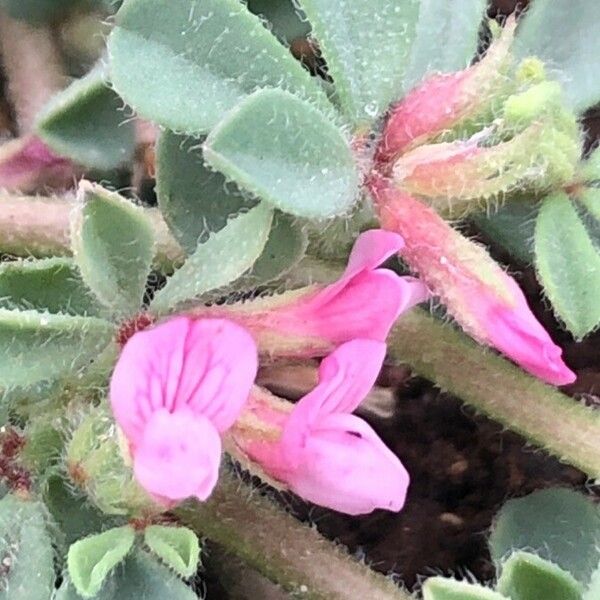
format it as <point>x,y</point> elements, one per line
<point>286,551</point>
<point>494,386</point>
<point>36,226</point>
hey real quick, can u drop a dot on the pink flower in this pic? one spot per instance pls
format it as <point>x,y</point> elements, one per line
<point>327,455</point>
<point>364,303</point>
<point>175,388</point>
<point>487,302</point>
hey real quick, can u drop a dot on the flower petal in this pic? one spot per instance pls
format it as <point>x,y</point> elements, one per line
<point>345,378</point>
<point>178,456</point>
<point>345,466</point>
<point>207,365</point>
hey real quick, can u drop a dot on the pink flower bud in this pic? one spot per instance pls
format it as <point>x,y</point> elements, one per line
<point>486,301</point>
<point>443,101</point>
<point>364,303</point>
<point>325,454</point>
<point>27,163</point>
<point>175,388</point>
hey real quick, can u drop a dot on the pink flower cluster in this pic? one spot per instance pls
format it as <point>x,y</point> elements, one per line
<point>178,386</point>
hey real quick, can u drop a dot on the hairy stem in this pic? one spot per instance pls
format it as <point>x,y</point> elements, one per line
<point>496,387</point>
<point>33,67</point>
<point>284,550</point>
<point>36,226</point>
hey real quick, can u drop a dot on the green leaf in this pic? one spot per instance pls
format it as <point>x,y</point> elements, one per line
<point>512,226</point>
<point>283,150</point>
<point>593,590</point>
<point>91,559</point>
<point>526,576</point>
<point>560,525</point>
<point>86,123</point>
<point>26,545</point>
<point>43,347</point>
<point>74,514</point>
<point>440,588</point>
<point>177,546</point>
<point>565,36</point>
<point>457,25</point>
<point>41,11</point>
<point>568,265</point>
<point>285,247</point>
<point>194,200</point>
<point>284,19</point>
<point>113,245</point>
<point>588,202</point>
<point>365,44</point>
<point>223,258</point>
<point>52,284</point>
<point>183,64</point>
<point>140,577</point>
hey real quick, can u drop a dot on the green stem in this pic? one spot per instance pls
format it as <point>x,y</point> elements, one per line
<point>286,551</point>
<point>496,387</point>
<point>36,226</point>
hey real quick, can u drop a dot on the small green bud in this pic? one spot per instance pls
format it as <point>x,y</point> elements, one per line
<point>98,463</point>
<point>530,70</point>
<point>524,108</point>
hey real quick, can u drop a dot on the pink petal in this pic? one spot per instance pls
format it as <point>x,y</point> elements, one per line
<point>364,303</point>
<point>178,456</point>
<point>518,334</point>
<point>345,378</point>
<point>207,365</point>
<point>345,466</point>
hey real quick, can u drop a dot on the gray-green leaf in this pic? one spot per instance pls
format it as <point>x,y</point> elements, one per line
<point>177,546</point>
<point>194,200</point>
<point>560,525</point>
<point>285,151</point>
<point>39,347</point>
<point>366,44</point>
<point>52,284</point>
<point>526,576</point>
<point>91,559</point>
<point>140,576</point>
<point>184,63</point>
<point>26,544</point>
<point>113,245</point>
<point>568,265</point>
<point>86,123</point>
<point>565,36</point>
<point>441,588</point>
<point>457,25</point>
<point>223,258</point>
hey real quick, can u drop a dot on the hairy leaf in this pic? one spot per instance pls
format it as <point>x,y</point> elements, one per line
<point>183,64</point>
<point>446,38</point>
<point>91,559</point>
<point>512,226</point>
<point>140,577</point>
<point>588,203</point>
<point>366,44</point>
<point>526,576</point>
<point>223,258</point>
<point>568,265</point>
<point>560,525</point>
<point>177,546</point>
<point>42,347</point>
<point>283,150</point>
<point>86,123</point>
<point>440,588</point>
<point>194,200</point>
<point>565,36</point>
<point>52,284</point>
<point>26,545</point>
<point>113,245</point>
